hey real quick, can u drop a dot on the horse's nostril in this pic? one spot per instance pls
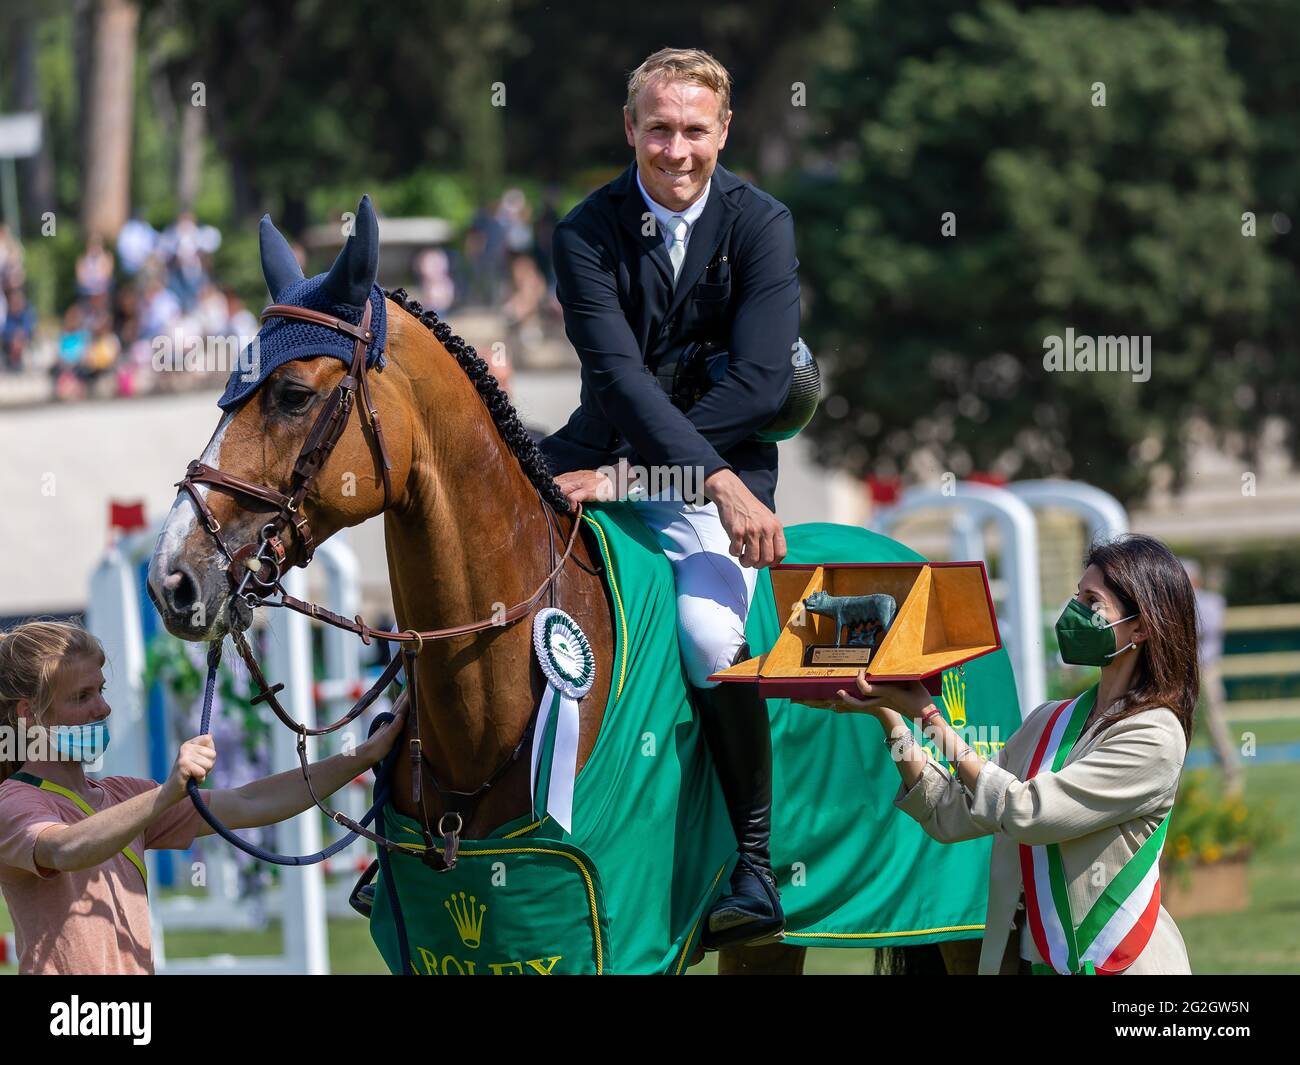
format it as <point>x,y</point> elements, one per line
<point>180,589</point>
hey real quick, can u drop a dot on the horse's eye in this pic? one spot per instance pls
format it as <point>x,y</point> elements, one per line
<point>295,400</point>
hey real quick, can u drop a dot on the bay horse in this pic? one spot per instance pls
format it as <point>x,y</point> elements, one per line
<point>466,527</point>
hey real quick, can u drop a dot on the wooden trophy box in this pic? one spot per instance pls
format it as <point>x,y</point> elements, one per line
<point>944,618</point>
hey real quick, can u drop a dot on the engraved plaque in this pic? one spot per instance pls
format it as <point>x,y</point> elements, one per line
<point>838,656</point>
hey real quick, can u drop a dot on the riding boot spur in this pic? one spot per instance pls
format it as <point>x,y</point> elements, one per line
<point>736,727</point>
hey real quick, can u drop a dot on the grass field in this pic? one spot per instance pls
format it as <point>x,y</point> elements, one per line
<point>1265,938</point>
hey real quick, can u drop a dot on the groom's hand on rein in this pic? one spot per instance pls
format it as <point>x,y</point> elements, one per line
<point>194,761</point>
<point>377,746</point>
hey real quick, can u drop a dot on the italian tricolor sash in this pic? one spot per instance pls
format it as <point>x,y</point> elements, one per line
<point>1109,939</point>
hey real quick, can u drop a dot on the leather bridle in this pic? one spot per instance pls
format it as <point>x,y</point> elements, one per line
<point>321,440</point>
<point>255,570</point>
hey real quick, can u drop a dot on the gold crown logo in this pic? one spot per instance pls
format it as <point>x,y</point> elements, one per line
<point>954,698</point>
<point>469,925</point>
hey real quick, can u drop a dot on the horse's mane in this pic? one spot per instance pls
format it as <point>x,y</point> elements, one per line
<point>504,415</point>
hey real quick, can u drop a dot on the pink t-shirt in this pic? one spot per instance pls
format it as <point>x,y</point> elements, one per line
<point>90,921</point>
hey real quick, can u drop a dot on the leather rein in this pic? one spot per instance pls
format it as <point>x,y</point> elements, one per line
<point>255,571</point>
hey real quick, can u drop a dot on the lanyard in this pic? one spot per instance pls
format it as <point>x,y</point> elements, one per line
<point>85,807</point>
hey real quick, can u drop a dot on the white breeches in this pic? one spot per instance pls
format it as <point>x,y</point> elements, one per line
<point>713,590</point>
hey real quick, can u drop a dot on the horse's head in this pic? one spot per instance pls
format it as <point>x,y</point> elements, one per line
<point>269,480</point>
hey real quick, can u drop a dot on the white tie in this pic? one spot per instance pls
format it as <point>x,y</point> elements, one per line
<point>677,249</point>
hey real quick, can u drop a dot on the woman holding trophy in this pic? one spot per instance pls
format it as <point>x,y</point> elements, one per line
<point>1078,800</point>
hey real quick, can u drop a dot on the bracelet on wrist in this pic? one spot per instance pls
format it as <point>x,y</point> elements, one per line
<point>900,744</point>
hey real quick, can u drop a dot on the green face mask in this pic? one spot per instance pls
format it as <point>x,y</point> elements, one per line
<point>1087,639</point>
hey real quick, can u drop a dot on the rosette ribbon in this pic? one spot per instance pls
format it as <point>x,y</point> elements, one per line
<point>569,666</point>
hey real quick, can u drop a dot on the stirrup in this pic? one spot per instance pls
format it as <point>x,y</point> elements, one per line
<point>362,896</point>
<point>750,934</point>
<point>746,929</point>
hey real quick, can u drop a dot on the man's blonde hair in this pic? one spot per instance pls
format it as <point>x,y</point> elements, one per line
<point>681,64</point>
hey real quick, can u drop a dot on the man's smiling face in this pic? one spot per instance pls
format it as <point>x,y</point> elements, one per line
<point>677,136</point>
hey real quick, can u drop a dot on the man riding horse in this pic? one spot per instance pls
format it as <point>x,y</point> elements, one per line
<point>680,293</point>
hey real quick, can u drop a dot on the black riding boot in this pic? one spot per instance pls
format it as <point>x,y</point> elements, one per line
<point>737,730</point>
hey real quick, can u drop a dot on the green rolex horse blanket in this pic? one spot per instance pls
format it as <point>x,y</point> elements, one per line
<point>652,846</point>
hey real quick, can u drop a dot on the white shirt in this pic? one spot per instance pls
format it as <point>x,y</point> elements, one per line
<point>662,214</point>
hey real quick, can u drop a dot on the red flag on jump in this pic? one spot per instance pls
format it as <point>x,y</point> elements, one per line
<point>126,517</point>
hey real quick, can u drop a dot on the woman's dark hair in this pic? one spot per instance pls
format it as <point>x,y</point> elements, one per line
<point>1149,581</point>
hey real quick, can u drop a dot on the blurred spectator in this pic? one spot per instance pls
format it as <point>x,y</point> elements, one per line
<point>1211,615</point>
<point>19,325</point>
<point>135,244</point>
<point>240,321</point>
<point>101,351</point>
<point>95,271</point>
<point>11,260</point>
<point>507,265</point>
<point>73,342</point>
<point>183,246</point>
<point>523,306</point>
<point>126,312</point>
<point>165,304</point>
<point>515,216</point>
<point>159,309</point>
<point>434,283</point>
<point>485,256</point>
<point>210,311</point>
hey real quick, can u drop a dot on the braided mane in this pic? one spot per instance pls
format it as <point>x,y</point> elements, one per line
<point>504,415</point>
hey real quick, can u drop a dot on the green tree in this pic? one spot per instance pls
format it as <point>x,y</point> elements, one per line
<point>1264,48</point>
<point>1115,220</point>
<point>301,93</point>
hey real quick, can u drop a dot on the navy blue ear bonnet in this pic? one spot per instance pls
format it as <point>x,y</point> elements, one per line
<point>341,291</point>
<point>282,340</point>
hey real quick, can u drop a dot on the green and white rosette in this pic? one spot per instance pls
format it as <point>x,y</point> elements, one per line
<point>569,665</point>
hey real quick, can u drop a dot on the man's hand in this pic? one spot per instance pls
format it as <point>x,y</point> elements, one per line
<point>757,538</point>
<point>582,486</point>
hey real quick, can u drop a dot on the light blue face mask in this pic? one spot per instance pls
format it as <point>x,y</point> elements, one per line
<point>81,743</point>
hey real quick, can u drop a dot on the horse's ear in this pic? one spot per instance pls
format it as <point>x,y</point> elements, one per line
<point>353,272</point>
<point>279,264</point>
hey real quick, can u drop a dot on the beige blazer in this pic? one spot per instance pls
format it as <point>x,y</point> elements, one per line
<point>1108,798</point>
